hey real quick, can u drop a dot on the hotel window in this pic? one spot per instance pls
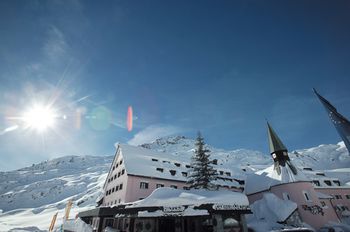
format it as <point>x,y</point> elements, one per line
<point>118,174</point>
<point>338,197</point>
<point>121,161</point>
<point>143,185</point>
<point>327,182</point>
<point>285,196</point>
<point>173,186</point>
<point>113,168</point>
<point>115,176</point>
<point>172,172</point>
<point>117,188</point>
<point>123,171</point>
<point>113,190</point>
<point>120,186</point>
<point>159,185</point>
<point>160,169</point>
<point>307,196</point>
<point>116,165</point>
<point>316,182</point>
<point>184,174</point>
<point>336,182</point>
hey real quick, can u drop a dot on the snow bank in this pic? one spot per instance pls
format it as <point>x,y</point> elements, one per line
<point>169,197</point>
<point>269,211</point>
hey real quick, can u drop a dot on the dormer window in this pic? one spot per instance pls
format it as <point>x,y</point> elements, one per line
<point>177,164</point>
<point>316,182</point>
<point>160,169</point>
<point>184,174</point>
<point>172,172</point>
<point>221,172</point>
<point>215,161</point>
<point>121,161</point>
<point>228,174</point>
<point>336,182</point>
<point>187,166</point>
<point>327,182</point>
<point>154,160</point>
<point>274,156</point>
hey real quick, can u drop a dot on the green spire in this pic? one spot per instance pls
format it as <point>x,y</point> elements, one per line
<point>274,142</point>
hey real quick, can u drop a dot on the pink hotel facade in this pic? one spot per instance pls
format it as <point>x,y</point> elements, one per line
<point>137,171</point>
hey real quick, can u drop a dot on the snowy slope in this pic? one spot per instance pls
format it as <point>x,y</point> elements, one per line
<point>31,195</point>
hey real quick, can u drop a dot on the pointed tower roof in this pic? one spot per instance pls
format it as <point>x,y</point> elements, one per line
<point>274,142</point>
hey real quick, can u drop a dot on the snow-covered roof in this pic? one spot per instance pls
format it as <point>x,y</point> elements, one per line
<point>265,179</point>
<point>169,197</point>
<point>272,208</point>
<point>145,162</point>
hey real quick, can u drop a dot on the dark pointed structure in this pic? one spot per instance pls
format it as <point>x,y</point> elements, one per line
<point>279,152</point>
<point>339,121</point>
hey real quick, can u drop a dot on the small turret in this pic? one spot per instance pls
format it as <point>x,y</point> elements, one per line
<point>278,152</point>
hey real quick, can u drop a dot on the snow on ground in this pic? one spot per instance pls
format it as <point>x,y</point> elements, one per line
<point>269,211</point>
<point>30,196</point>
<point>169,197</point>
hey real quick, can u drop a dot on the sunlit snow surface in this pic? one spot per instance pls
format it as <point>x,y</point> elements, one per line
<point>29,197</point>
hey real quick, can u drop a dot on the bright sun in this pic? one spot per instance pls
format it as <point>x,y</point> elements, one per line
<point>39,118</point>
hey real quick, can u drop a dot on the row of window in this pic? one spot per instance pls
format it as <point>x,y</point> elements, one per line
<point>306,195</point>
<point>117,164</point>
<point>115,202</point>
<point>116,188</point>
<point>327,182</point>
<point>116,175</point>
<point>337,196</point>
<point>145,185</point>
<point>168,162</point>
<point>341,208</point>
<point>173,172</point>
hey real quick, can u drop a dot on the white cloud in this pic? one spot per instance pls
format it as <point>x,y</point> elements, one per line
<point>153,132</point>
<point>55,46</point>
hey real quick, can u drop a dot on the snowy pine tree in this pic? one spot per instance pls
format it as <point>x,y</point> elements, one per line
<point>202,173</point>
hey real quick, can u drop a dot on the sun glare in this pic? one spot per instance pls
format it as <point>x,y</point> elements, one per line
<point>39,118</point>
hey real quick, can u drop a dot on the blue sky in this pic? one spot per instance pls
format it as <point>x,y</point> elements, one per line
<point>218,67</point>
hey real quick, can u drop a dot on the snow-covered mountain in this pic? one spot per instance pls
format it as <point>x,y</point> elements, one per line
<point>30,196</point>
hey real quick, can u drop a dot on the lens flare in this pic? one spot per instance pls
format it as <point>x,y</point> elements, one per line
<point>129,119</point>
<point>39,118</point>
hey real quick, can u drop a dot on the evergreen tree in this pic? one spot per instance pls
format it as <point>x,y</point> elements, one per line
<point>202,173</point>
